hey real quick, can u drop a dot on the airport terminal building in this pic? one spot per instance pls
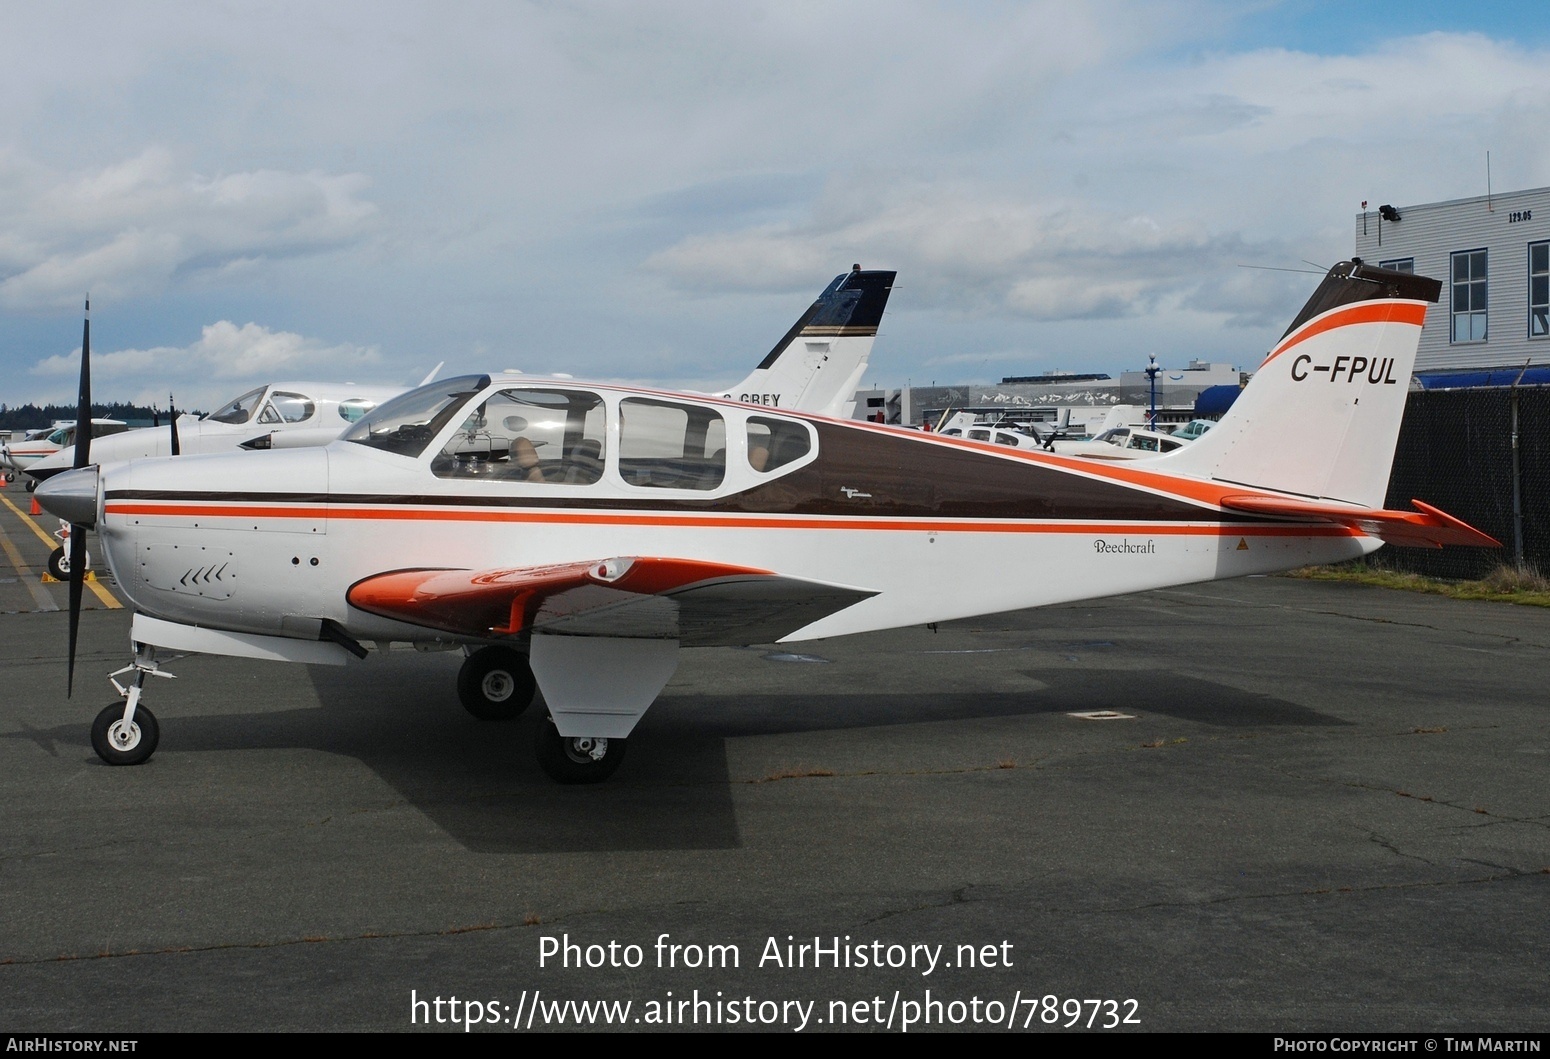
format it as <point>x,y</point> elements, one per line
<point>1492,254</point>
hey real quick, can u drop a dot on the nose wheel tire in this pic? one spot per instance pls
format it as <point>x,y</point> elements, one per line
<point>118,743</point>
<point>496,684</point>
<point>59,564</point>
<point>577,760</point>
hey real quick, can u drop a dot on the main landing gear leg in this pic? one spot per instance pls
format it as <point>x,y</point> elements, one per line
<point>127,733</point>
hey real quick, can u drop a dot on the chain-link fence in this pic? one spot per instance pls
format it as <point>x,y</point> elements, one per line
<point>1482,456</point>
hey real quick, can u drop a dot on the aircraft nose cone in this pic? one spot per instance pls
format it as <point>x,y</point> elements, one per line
<point>72,496</point>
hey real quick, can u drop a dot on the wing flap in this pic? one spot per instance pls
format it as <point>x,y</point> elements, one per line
<point>1425,527</point>
<point>697,603</point>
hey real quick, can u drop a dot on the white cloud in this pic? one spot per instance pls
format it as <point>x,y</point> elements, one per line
<point>625,187</point>
<point>127,230</point>
<point>224,357</point>
<point>962,251</point>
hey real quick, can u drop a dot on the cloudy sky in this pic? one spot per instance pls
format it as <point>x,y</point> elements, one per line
<point>647,191</point>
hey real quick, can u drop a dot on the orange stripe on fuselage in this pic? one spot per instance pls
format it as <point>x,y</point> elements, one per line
<point>836,522</point>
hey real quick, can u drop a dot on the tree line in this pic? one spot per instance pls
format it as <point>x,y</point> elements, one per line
<point>31,417</point>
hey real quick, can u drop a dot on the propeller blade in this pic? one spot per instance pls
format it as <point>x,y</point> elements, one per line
<point>78,533</point>
<point>172,418</point>
<point>77,551</point>
<point>83,397</point>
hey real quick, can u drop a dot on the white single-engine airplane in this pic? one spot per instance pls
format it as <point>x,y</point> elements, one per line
<point>577,536</point>
<point>318,410</point>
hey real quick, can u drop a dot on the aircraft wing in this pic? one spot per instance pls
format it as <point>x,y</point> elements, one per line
<point>1425,527</point>
<point>697,603</point>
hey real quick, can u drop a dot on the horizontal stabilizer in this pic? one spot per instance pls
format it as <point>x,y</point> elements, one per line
<point>696,603</point>
<point>1425,527</point>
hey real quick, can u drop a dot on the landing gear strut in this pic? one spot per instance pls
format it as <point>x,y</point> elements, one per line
<point>580,760</point>
<point>496,684</point>
<point>127,733</point>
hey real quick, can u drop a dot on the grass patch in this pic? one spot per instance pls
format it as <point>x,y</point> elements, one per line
<point>1505,584</point>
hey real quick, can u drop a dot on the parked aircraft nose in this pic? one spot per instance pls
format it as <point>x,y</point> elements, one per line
<point>72,496</point>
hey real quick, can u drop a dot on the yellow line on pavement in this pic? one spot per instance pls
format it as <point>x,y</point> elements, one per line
<point>40,594</point>
<point>96,587</point>
<point>33,526</point>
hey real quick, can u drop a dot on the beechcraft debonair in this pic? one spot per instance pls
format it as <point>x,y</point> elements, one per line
<point>576,537</point>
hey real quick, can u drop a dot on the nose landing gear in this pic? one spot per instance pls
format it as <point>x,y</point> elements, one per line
<point>127,733</point>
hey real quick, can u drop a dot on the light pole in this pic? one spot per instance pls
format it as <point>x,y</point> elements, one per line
<point>1151,375</point>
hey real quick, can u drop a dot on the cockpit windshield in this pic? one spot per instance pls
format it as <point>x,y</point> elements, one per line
<point>240,410</point>
<point>410,422</point>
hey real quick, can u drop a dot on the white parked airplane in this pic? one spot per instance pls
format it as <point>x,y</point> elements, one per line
<point>39,446</point>
<point>321,410</point>
<point>578,536</point>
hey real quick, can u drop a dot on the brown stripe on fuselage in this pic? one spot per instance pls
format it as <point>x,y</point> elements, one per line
<point>888,473</point>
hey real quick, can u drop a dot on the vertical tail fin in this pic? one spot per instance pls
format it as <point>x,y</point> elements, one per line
<point>1321,416</point>
<point>817,366</point>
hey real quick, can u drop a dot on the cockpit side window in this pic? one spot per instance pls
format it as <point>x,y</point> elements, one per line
<point>668,445</point>
<point>544,436</point>
<point>240,409</point>
<point>774,443</point>
<point>287,408</point>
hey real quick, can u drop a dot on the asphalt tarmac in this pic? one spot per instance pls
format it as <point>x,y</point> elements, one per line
<point>1321,807</point>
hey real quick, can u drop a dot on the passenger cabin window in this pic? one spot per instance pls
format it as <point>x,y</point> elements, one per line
<point>774,443</point>
<point>352,408</point>
<point>287,408</point>
<point>666,445</point>
<point>547,437</point>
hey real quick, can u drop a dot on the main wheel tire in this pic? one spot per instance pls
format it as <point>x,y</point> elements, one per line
<point>119,744</point>
<point>587,760</point>
<point>32,484</point>
<point>496,684</point>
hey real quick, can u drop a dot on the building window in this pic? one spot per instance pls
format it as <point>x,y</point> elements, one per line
<point>1539,290</point>
<point>1469,296</point>
<point>1399,264</point>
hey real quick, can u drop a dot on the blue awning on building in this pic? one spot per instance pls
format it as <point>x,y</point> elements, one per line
<point>1216,400</point>
<point>1538,375</point>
